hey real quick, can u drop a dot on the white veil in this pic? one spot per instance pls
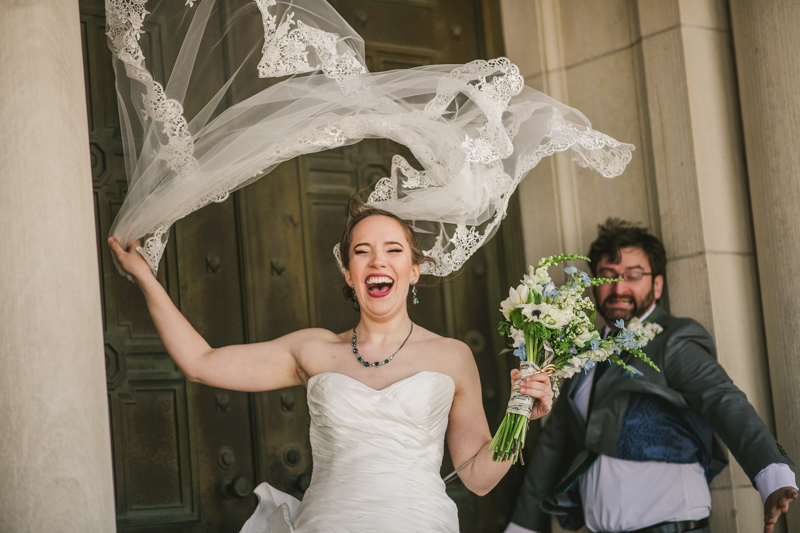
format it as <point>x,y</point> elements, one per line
<point>475,129</point>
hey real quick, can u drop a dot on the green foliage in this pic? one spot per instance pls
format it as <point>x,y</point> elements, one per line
<point>539,330</point>
<point>604,281</point>
<point>517,319</point>
<point>547,262</point>
<point>504,328</point>
<point>643,356</point>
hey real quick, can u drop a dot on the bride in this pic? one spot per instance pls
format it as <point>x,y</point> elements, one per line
<point>382,396</point>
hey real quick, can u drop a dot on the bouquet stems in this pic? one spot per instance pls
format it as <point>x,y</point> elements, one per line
<point>510,437</point>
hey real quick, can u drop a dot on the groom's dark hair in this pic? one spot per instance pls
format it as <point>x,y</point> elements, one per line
<point>616,234</point>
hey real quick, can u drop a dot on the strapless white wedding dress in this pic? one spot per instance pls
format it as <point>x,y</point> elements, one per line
<point>377,456</point>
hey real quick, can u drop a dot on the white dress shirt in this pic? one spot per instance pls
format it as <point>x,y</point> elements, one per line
<point>620,495</point>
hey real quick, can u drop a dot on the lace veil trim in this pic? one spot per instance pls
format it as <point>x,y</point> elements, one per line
<point>601,153</point>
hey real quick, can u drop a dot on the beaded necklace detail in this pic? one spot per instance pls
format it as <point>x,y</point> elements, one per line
<point>377,363</point>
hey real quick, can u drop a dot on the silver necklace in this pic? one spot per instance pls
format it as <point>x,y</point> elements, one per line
<point>377,363</point>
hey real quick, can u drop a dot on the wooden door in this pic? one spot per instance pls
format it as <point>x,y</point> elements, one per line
<point>183,453</point>
<point>259,266</point>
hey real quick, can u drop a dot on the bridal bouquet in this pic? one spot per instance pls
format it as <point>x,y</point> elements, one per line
<point>552,333</point>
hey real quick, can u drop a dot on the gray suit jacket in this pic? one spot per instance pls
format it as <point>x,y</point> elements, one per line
<point>690,378</point>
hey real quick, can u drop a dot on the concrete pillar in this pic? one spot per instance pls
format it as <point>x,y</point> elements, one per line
<point>55,464</point>
<point>766,42</point>
<point>659,74</point>
<point>532,38</point>
<point>698,155</point>
<point>584,54</point>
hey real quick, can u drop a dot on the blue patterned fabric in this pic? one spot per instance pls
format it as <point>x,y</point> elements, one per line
<point>656,430</point>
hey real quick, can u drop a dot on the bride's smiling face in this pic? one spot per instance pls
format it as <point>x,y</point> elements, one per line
<point>381,269</point>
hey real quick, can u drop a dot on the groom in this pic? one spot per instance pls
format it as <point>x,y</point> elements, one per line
<point>625,452</point>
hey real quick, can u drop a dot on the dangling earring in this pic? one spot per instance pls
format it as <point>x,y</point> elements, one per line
<point>414,292</point>
<point>355,298</point>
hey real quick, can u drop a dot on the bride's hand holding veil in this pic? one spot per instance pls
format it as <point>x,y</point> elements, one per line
<point>130,260</point>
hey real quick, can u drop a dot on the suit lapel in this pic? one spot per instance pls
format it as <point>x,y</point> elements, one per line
<point>605,382</point>
<point>658,315</point>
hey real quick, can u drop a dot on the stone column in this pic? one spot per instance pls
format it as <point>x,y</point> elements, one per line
<point>56,461</point>
<point>701,179</point>
<point>660,74</point>
<point>766,42</point>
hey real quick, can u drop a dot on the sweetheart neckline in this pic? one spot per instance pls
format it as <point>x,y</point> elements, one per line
<point>387,386</point>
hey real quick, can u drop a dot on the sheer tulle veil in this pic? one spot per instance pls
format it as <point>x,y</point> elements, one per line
<point>475,130</point>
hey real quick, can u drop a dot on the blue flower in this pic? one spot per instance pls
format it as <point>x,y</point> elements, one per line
<point>620,323</point>
<point>588,366</point>
<point>595,344</point>
<point>627,340</point>
<point>573,350</point>
<point>520,352</point>
<point>571,270</point>
<point>586,279</point>
<point>551,291</point>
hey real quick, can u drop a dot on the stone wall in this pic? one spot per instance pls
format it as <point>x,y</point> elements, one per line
<point>660,74</point>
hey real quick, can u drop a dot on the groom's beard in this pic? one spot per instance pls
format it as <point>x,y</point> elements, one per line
<point>640,306</point>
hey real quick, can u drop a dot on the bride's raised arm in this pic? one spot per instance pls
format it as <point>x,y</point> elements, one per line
<point>468,430</point>
<point>248,367</point>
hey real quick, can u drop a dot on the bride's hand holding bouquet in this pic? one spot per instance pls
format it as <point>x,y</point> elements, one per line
<point>537,387</point>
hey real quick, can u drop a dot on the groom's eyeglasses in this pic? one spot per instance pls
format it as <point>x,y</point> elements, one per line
<point>630,274</point>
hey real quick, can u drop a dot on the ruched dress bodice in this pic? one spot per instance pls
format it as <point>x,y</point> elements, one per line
<point>377,459</point>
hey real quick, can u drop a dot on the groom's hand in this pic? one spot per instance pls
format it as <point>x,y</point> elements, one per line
<point>777,503</point>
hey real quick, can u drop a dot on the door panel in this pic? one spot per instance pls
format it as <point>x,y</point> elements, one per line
<point>259,266</point>
<point>177,446</point>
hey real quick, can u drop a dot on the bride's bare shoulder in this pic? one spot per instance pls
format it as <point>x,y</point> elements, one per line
<point>452,357</point>
<point>447,349</point>
<point>317,336</point>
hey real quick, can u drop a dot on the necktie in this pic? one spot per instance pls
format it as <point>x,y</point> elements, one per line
<point>599,370</point>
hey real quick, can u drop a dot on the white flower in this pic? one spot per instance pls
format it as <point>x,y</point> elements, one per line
<point>540,276</point>
<point>556,318</point>
<point>583,338</point>
<point>643,332</point>
<point>517,336</point>
<point>536,312</point>
<point>567,372</point>
<point>598,355</point>
<point>652,329</point>
<point>573,366</point>
<point>633,324</point>
<point>516,298</point>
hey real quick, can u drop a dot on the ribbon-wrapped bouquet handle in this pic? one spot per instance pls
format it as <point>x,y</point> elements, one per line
<point>552,334</point>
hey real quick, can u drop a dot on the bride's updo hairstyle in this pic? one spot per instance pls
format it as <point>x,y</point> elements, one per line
<point>357,211</point>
